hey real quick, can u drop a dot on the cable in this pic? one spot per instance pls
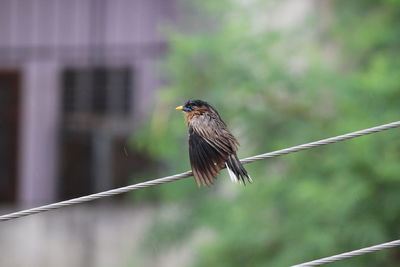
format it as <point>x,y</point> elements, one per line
<point>322,142</point>
<point>350,254</point>
<point>180,176</point>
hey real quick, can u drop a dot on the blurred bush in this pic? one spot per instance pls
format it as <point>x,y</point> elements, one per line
<point>276,88</point>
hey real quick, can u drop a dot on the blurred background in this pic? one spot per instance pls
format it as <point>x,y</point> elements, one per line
<point>87,96</point>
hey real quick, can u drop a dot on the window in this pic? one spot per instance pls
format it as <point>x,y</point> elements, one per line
<point>9,108</point>
<point>96,112</point>
<point>97,91</point>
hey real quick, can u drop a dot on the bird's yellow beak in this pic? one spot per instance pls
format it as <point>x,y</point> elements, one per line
<point>179,108</point>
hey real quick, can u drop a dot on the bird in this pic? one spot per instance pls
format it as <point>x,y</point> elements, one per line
<point>212,146</point>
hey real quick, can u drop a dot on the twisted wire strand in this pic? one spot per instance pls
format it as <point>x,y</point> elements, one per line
<point>350,254</point>
<point>322,142</point>
<point>180,176</point>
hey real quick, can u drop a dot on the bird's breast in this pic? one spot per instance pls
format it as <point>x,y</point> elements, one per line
<point>194,118</point>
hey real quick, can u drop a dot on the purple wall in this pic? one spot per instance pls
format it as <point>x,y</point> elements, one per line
<point>40,38</point>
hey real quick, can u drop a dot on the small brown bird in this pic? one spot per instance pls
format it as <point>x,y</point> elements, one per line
<point>211,145</point>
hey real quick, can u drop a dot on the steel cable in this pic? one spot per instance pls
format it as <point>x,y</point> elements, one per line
<point>350,254</point>
<point>180,176</point>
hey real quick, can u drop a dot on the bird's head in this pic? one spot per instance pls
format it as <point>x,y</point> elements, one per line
<point>194,108</point>
<point>195,105</point>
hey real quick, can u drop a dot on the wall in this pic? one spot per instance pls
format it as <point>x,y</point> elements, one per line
<point>40,38</point>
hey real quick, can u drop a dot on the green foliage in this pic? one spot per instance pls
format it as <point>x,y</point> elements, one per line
<point>276,89</point>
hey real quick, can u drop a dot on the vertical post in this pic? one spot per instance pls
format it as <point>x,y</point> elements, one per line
<point>39,133</point>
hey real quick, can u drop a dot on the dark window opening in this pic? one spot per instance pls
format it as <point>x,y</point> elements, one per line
<point>96,109</point>
<point>101,82</point>
<point>97,91</point>
<point>9,109</point>
<point>76,173</point>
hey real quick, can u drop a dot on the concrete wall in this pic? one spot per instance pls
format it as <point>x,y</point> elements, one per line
<point>84,236</point>
<point>41,37</point>
<point>60,23</point>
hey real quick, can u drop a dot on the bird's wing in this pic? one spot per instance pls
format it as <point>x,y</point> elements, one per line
<point>210,145</point>
<point>205,160</point>
<point>215,133</point>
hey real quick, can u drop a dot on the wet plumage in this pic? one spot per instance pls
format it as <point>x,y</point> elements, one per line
<point>211,145</point>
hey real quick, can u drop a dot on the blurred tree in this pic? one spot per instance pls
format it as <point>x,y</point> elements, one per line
<point>277,88</point>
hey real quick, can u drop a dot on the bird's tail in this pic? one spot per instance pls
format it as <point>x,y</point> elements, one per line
<point>236,171</point>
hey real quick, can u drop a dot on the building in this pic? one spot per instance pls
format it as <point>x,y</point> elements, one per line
<point>76,77</point>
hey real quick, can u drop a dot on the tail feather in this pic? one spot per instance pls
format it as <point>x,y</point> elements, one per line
<point>232,175</point>
<point>236,171</point>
